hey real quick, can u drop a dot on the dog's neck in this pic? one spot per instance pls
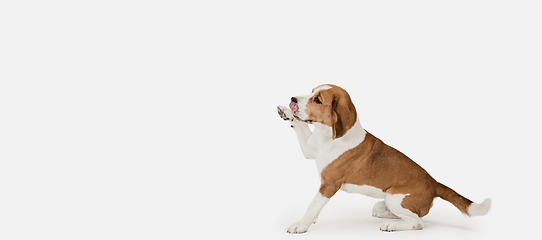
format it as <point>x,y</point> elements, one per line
<point>329,149</point>
<point>354,134</point>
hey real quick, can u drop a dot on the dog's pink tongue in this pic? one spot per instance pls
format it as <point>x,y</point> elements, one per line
<point>294,107</point>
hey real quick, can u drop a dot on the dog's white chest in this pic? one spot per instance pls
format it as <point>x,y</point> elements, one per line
<point>327,150</point>
<point>327,153</point>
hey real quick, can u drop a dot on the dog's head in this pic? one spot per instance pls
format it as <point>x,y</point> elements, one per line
<point>329,105</point>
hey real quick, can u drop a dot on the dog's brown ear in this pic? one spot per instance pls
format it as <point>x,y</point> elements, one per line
<point>343,115</point>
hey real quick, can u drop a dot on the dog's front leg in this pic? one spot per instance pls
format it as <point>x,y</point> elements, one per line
<point>328,188</point>
<point>301,129</point>
<point>310,216</point>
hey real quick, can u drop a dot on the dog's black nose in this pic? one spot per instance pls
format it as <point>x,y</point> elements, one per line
<point>294,99</point>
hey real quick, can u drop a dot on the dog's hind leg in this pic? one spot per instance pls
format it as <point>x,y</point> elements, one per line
<point>380,210</point>
<point>409,220</point>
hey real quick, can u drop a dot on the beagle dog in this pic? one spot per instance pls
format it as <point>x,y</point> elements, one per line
<point>353,160</point>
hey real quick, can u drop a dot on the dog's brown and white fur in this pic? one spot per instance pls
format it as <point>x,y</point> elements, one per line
<point>355,161</point>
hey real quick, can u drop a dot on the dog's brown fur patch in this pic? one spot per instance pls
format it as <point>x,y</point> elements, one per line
<point>373,163</point>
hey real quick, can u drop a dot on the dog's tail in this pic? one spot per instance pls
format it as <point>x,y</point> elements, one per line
<point>464,205</point>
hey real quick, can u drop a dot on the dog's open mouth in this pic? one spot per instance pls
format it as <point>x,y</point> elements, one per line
<point>295,108</point>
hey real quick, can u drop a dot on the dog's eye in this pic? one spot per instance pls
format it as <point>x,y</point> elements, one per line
<point>317,100</point>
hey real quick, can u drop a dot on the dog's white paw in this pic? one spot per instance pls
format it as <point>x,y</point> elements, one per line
<point>400,225</point>
<point>299,227</point>
<point>285,113</point>
<point>388,227</point>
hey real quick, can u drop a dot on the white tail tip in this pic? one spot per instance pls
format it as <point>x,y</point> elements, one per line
<point>480,209</point>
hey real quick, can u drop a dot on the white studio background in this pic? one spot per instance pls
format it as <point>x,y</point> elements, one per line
<point>157,119</point>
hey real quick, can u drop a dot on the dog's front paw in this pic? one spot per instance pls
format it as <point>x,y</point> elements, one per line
<point>299,227</point>
<point>285,113</point>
